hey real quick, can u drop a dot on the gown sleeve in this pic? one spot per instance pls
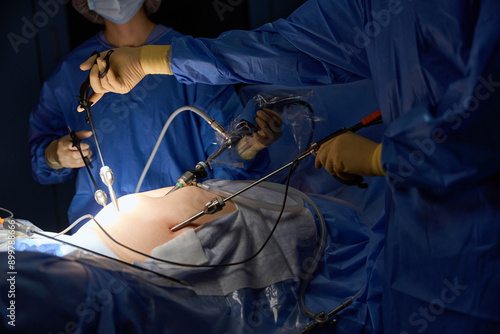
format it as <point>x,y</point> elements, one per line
<point>456,140</point>
<point>327,52</point>
<point>48,123</point>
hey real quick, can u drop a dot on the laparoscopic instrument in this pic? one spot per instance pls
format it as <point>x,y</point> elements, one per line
<point>106,173</point>
<point>99,195</point>
<point>200,169</point>
<point>242,129</point>
<point>218,203</point>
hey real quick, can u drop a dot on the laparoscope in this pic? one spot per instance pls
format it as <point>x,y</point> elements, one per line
<point>321,319</point>
<point>106,173</point>
<point>190,177</point>
<point>218,203</point>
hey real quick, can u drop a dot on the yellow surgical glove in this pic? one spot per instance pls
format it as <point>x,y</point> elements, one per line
<point>51,156</point>
<point>155,59</point>
<point>350,154</point>
<point>269,126</point>
<point>128,66</point>
<point>62,154</point>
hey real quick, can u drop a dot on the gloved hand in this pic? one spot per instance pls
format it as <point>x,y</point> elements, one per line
<point>350,154</point>
<point>62,154</point>
<point>128,66</point>
<point>269,130</point>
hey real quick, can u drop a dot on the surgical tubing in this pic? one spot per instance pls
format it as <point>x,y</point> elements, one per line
<point>318,253</point>
<point>304,284</point>
<point>254,202</point>
<point>292,208</point>
<point>74,224</point>
<point>346,204</point>
<point>322,238</point>
<point>132,265</point>
<point>321,245</point>
<point>216,126</point>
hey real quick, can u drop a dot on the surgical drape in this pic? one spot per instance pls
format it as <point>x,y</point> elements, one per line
<point>436,71</point>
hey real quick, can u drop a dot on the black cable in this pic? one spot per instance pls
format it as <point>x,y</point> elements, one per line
<point>99,254</point>
<point>321,319</point>
<point>298,158</point>
<point>282,104</point>
<point>213,265</point>
<point>310,313</point>
<point>76,143</point>
<point>113,259</point>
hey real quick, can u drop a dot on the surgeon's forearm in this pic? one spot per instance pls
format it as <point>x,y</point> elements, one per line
<point>259,57</point>
<point>42,172</point>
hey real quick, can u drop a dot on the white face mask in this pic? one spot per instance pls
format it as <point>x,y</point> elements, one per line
<point>117,11</point>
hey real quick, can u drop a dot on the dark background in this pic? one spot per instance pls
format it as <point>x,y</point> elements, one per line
<point>35,36</point>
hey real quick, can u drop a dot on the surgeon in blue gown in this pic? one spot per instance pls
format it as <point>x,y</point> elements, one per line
<point>436,70</point>
<point>127,126</point>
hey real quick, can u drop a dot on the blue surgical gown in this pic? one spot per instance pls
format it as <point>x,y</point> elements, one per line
<point>436,70</point>
<point>127,127</point>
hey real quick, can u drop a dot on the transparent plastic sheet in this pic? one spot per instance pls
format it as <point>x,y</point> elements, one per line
<point>298,122</point>
<point>91,294</point>
<point>296,111</point>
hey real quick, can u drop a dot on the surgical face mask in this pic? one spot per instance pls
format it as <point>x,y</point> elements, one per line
<point>117,11</point>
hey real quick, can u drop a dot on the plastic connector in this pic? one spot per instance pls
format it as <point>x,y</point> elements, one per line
<point>12,224</point>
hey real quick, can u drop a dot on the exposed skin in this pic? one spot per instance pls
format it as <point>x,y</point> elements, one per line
<point>145,219</point>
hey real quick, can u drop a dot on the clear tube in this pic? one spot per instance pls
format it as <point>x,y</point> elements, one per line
<point>318,253</point>
<point>277,207</point>
<point>321,244</point>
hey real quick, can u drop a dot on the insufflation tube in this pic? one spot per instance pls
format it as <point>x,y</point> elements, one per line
<point>216,126</point>
<point>299,198</point>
